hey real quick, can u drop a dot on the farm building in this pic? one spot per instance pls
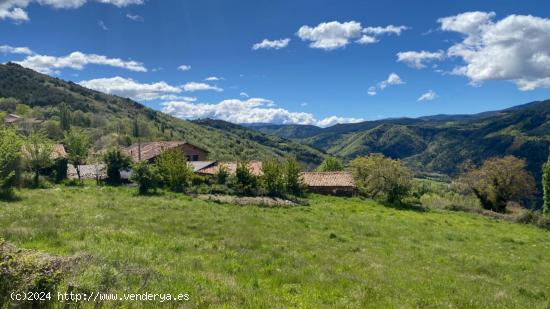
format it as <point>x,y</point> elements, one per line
<point>150,150</point>
<point>332,183</point>
<point>255,168</point>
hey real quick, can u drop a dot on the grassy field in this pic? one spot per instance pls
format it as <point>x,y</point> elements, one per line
<point>344,253</point>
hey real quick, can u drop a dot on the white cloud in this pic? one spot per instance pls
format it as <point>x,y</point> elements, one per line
<point>390,29</point>
<point>134,17</point>
<point>6,49</point>
<point>275,44</point>
<point>244,94</point>
<point>213,78</point>
<point>127,87</point>
<point>194,86</point>
<point>419,59</point>
<point>331,35</point>
<point>102,25</point>
<point>393,79</point>
<point>428,96</point>
<point>184,67</point>
<point>367,39</point>
<point>372,91</point>
<point>119,3</point>
<point>253,110</point>
<point>76,60</point>
<point>516,48</point>
<point>16,9</point>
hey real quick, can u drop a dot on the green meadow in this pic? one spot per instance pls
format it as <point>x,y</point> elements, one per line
<point>333,253</point>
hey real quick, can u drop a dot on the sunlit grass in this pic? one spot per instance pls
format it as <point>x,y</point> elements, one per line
<point>336,252</point>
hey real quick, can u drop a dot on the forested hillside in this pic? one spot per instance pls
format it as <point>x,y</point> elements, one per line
<point>438,143</point>
<point>110,119</point>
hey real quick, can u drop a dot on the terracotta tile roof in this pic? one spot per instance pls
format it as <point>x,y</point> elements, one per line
<point>255,168</point>
<point>149,150</point>
<point>58,151</point>
<point>328,179</point>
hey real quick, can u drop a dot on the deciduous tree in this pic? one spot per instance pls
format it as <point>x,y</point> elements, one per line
<point>10,152</point>
<point>499,181</point>
<point>38,154</point>
<point>77,144</point>
<point>379,177</point>
<point>331,164</point>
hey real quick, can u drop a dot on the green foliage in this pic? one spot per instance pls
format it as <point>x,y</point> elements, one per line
<point>147,177</point>
<point>38,154</point>
<point>23,110</point>
<point>291,177</point>
<point>331,164</point>
<point>500,181</point>
<point>77,144</point>
<point>64,117</point>
<point>546,186</point>
<point>9,104</point>
<point>25,271</point>
<point>273,177</point>
<point>10,152</point>
<point>222,175</point>
<point>379,177</point>
<point>116,161</point>
<point>244,182</point>
<point>174,170</point>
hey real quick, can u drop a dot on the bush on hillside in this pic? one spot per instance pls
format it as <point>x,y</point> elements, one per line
<point>379,177</point>
<point>146,176</point>
<point>116,162</point>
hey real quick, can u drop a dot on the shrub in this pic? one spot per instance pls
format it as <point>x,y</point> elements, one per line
<point>174,170</point>
<point>222,175</point>
<point>27,271</point>
<point>500,181</point>
<point>146,176</point>
<point>273,178</point>
<point>331,164</point>
<point>10,152</point>
<point>244,182</point>
<point>380,177</point>
<point>291,177</point>
<point>116,161</point>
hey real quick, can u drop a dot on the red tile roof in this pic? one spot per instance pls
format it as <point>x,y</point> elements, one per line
<point>150,150</point>
<point>255,168</point>
<point>328,179</point>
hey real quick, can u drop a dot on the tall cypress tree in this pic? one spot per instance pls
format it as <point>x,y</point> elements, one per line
<point>64,117</point>
<point>546,186</point>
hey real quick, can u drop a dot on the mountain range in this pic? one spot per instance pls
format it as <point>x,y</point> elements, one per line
<point>432,145</point>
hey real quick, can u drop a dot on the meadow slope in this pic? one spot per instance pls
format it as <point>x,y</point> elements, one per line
<point>337,252</point>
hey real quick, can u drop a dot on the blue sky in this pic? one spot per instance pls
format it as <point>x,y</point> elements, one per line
<point>478,55</point>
